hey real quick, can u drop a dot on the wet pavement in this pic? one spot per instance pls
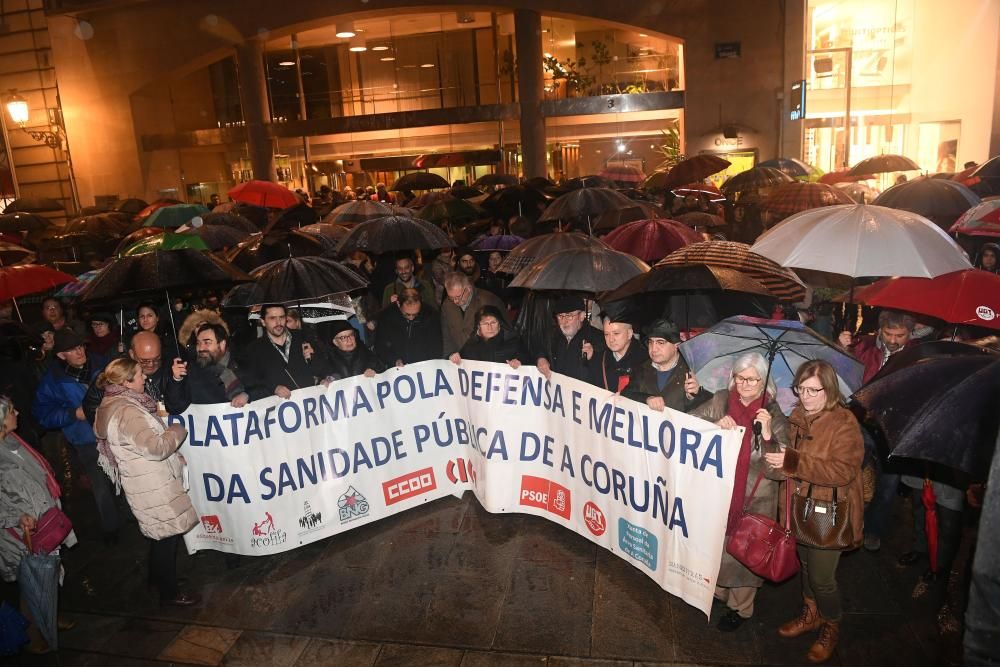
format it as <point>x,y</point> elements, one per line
<point>451,584</point>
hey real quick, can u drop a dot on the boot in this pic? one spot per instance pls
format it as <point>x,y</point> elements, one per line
<point>807,621</point>
<point>822,648</point>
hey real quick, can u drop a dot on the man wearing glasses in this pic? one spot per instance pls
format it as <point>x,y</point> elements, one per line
<point>458,312</point>
<point>665,381</point>
<point>576,350</point>
<point>145,349</point>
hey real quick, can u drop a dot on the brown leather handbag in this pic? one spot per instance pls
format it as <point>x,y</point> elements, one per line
<point>822,524</point>
<point>761,544</point>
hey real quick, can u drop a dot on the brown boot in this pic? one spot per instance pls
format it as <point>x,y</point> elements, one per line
<point>807,621</point>
<point>822,648</point>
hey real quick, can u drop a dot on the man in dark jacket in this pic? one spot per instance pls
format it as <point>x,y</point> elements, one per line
<point>665,381</point>
<point>348,357</point>
<point>408,332</point>
<point>622,354</point>
<point>145,349</point>
<point>573,350</point>
<point>282,360</point>
<point>212,379</point>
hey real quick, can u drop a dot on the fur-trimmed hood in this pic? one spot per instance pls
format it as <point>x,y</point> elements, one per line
<point>194,320</point>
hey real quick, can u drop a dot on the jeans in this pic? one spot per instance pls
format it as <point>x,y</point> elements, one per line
<point>163,566</point>
<point>104,492</point>
<point>819,580</point>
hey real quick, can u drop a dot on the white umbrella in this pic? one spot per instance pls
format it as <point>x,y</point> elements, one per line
<point>862,240</point>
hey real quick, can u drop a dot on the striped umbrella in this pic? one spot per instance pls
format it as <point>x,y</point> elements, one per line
<point>357,211</point>
<point>623,174</point>
<point>980,220</point>
<point>14,254</point>
<point>700,189</point>
<point>781,282</point>
<point>543,246</point>
<point>790,198</point>
<point>754,179</point>
<point>73,289</point>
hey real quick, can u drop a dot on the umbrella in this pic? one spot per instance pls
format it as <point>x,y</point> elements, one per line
<point>881,164</point>
<point>298,279</point>
<point>261,248</point>
<point>588,182</point>
<point>131,206</point>
<point>858,192</point>
<point>161,270</point>
<point>335,233</point>
<point>265,194</point>
<point>938,200</point>
<point>779,281</point>
<point>980,220</point>
<point>586,203</point>
<point>428,198</point>
<point>543,246</point>
<point>421,180</point>
<point>153,208</point>
<point>393,233</point>
<point>985,179</point>
<point>496,243</point>
<point>449,209</point>
<point>693,169</point>
<point>75,288</point>
<point>23,222</point>
<point>786,345</point>
<point>969,297</point>
<point>929,501</point>
<point>843,176</point>
<point>758,178</point>
<point>136,236</point>
<point>940,409</point>
<point>700,219</point>
<point>639,210</point>
<point>622,174</point>
<point>14,254</point>
<point>490,180</point>
<point>516,200</point>
<point>217,237</point>
<point>651,240</point>
<point>38,581</point>
<point>466,192</point>
<point>792,166</point>
<point>702,190</point>
<point>234,220</point>
<point>686,278</point>
<point>34,205</point>
<point>299,215</point>
<point>857,240</point>
<point>100,224</point>
<point>174,215</point>
<point>592,269</point>
<point>790,198</point>
<point>165,241</point>
<point>359,210</point>
<point>22,279</point>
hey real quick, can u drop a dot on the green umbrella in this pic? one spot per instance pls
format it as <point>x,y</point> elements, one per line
<point>165,241</point>
<point>174,216</point>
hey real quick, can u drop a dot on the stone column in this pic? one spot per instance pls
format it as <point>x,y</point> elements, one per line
<point>528,42</point>
<point>256,110</point>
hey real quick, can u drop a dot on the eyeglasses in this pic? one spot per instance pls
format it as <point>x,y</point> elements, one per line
<point>343,338</point>
<point>811,392</point>
<point>750,382</point>
<point>149,362</point>
<point>567,316</point>
<point>489,323</point>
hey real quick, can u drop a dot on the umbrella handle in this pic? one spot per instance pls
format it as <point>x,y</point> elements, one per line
<point>28,541</point>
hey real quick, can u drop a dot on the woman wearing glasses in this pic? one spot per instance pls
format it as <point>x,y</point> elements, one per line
<point>823,461</point>
<point>492,340</point>
<point>744,404</point>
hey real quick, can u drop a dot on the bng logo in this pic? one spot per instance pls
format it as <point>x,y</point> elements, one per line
<point>352,505</point>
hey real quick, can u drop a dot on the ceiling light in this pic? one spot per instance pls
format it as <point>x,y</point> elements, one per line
<point>388,59</point>
<point>547,54</point>
<point>621,148</point>
<point>380,48</point>
<point>642,34</point>
<point>345,30</point>
<point>286,63</point>
<point>426,65</point>
<point>358,45</point>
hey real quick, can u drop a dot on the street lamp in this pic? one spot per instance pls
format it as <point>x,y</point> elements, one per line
<point>17,109</point>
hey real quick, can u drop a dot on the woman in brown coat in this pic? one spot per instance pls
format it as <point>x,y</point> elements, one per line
<point>824,457</point>
<point>743,404</point>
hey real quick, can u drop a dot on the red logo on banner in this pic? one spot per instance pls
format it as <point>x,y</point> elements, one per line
<point>460,470</point>
<point>409,485</point>
<point>211,524</point>
<point>594,518</point>
<point>546,495</point>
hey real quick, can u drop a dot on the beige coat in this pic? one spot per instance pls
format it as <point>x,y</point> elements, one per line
<point>146,452</point>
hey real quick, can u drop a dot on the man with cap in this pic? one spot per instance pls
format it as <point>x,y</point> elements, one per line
<point>666,380</point>
<point>621,355</point>
<point>58,404</point>
<point>408,331</point>
<point>348,357</point>
<point>574,347</point>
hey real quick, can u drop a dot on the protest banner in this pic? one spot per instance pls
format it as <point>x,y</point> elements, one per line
<point>651,487</point>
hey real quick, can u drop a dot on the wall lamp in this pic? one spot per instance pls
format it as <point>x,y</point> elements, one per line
<point>17,109</point>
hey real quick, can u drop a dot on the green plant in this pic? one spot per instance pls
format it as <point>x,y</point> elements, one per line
<point>670,149</point>
<point>570,71</point>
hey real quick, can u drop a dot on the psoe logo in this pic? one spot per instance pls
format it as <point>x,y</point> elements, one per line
<point>211,524</point>
<point>545,494</point>
<point>594,518</point>
<point>265,534</point>
<point>352,505</point>
<point>310,521</point>
<point>407,486</point>
<point>986,313</point>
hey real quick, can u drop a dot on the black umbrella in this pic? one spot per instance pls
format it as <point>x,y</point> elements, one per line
<point>940,201</point>
<point>489,180</point>
<point>297,279</point>
<point>100,224</point>
<point>687,278</point>
<point>335,233</point>
<point>941,409</point>
<point>23,222</point>
<point>421,180</point>
<point>754,179</point>
<point>543,246</point>
<point>218,237</point>
<point>881,164</point>
<point>234,220</point>
<point>299,215</point>
<point>466,192</point>
<point>394,233</point>
<point>34,205</point>
<point>260,248</point>
<point>131,206</point>
<point>589,182</point>
<point>519,200</point>
<point>586,204</point>
<point>593,269</point>
<point>360,210</point>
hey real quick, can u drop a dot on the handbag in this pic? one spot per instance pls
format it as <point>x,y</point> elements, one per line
<point>822,524</point>
<point>50,531</point>
<point>761,544</point>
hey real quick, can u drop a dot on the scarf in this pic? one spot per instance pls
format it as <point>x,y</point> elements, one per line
<point>105,456</point>
<point>744,416</point>
<point>230,383</point>
<point>81,374</point>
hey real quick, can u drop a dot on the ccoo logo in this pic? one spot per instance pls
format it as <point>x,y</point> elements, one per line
<point>408,486</point>
<point>594,518</point>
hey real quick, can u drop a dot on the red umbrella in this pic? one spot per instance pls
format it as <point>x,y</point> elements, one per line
<point>929,500</point>
<point>652,240</point>
<point>790,198</point>
<point>24,279</point>
<point>264,193</point>
<point>980,220</point>
<point>968,297</point>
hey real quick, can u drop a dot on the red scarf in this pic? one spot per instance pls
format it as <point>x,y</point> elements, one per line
<point>744,416</point>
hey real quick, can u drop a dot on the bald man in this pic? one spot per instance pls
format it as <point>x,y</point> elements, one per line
<point>145,349</point>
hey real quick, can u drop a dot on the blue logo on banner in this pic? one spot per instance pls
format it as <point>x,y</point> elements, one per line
<point>638,543</point>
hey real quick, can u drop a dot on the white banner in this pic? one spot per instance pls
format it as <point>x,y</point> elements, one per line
<point>652,487</point>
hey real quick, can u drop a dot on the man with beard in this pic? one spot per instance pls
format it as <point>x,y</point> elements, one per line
<point>406,278</point>
<point>622,354</point>
<point>282,360</point>
<point>408,332</point>
<point>146,351</point>
<point>213,378</point>
<point>348,358</point>
<point>458,312</point>
<point>894,332</point>
<point>573,349</point>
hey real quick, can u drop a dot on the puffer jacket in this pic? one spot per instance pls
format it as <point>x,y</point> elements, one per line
<point>149,468</point>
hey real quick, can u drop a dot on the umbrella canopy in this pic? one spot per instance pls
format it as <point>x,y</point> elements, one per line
<point>519,200</point>
<point>165,241</point>
<point>586,203</point>
<point>75,288</point>
<point>34,205</point>
<point>335,233</point>
<point>843,176</point>
<point>652,240</point>
<point>700,219</point>
<point>136,236</point>
<point>940,409</point>
<point>702,190</point>
<point>261,248</point>
<point>792,166</point>
<point>153,208</point>
<point>881,164</point>
<point>791,198</point>
<point>686,278</point>
<point>544,246</point>
<point>696,168</point>
<point>217,237</point>
<point>751,180</point>
<point>969,297</point>
<point>428,198</point>
<point>360,210</point>
<point>265,194</point>
<point>299,215</point>
<point>858,192</point>
<point>985,179</point>
<point>592,269</point>
<point>22,279</point>
<point>131,206</point>
<point>856,240</point>
<point>639,210</point>
<point>38,581</point>
<point>234,220</point>
<point>779,281</point>
<point>465,192</point>
<point>298,279</point>
<point>589,182</point>
<point>174,215</point>
<point>490,180</point>
<point>100,224</point>
<point>448,209</point>
<point>498,243</point>
<point>393,233</point>
<point>14,254</point>
<point>787,344</point>
<point>420,180</point>
<point>23,222</point>
<point>623,175</point>
<point>980,220</point>
<point>940,201</point>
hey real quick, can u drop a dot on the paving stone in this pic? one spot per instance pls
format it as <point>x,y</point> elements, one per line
<point>200,645</point>
<point>464,611</point>
<point>698,640</point>
<point>141,638</point>
<point>91,631</point>
<point>559,661</point>
<point>261,648</point>
<point>494,659</point>
<point>398,655</point>
<point>339,653</point>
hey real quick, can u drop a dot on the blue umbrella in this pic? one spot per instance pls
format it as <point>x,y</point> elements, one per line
<point>499,242</point>
<point>38,580</point>
<point>785,344</point>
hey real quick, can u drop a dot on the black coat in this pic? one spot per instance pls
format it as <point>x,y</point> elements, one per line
<point>156,387</point>
<point>612,369</point>
<point>266,368</point>
<point>503,347</point>
<point>201,386</point>
<point>409,340</point>
<point>642,385</point>
<point>348,364</point>
<point>566,357</point>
